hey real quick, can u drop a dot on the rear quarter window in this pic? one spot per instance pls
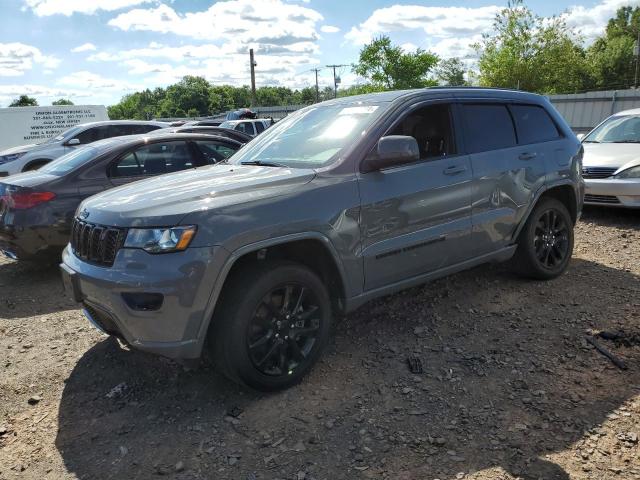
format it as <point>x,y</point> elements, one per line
<point>533,124</point>
<point>488,127</point>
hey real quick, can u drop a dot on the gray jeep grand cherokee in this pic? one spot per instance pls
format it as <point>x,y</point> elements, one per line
<point>339,203</point>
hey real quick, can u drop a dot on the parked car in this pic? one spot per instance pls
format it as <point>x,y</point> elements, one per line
<point>339,203</point>
<point>611,164</point>
<point>222,132</point>
<point>203,123</point>
<point>250,127</point>
<point>31,157</point>
<point>37,208</point>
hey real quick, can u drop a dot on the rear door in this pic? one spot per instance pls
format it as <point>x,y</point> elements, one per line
<point>506,173</point>
<point>416,218</point>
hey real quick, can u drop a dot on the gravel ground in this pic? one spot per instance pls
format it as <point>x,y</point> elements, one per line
<point>510,387</point>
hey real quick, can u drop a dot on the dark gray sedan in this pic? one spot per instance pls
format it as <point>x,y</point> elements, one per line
<point>37,208</point>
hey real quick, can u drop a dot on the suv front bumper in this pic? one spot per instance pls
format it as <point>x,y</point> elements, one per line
<point>183,280</point>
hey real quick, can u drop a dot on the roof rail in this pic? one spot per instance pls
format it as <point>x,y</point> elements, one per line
<point>462,87</point>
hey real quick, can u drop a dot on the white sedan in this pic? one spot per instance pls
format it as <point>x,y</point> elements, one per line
<point>611,163</point>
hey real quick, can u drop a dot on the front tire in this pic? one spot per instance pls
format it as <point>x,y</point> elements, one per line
<point>272,325</point>
<point>545,244</point>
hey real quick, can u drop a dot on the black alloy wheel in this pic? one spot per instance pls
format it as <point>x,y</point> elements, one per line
<point>545,243</point>
<point>272,325</point>
<point>551,240</point>
<point>284,329</point>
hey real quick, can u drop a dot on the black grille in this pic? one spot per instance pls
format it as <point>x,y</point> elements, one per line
<point>597,172</point>
<point>601,199</point>
<point>96,243</point>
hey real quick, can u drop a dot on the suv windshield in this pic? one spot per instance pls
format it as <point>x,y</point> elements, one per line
<point>618,129</point>
<point>70,161</point>
<point>310,138</point>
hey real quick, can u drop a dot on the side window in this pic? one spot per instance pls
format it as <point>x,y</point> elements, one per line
<point>259,127</point>
<point>214,152</point>
<point>88,136</point>
<point>153,159</point>
<point>533,124</point>
<point>489,127</point>
<point>245,127</point>
<point>143,128</point>
<point>432,128</point>
<point>118,131</point>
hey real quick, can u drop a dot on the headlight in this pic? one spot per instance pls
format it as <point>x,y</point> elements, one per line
<point>160,240</point>
<point>633,172</point>
<point>11,157</point>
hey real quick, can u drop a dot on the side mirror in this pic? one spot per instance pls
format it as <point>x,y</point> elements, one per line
<point>73,141</point>
<point>580,136</point>
<point>391,151</point>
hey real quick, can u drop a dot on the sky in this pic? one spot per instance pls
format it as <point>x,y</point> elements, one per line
<point>96,51</point>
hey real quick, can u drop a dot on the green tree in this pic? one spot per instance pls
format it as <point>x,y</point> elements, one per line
<point>451,72</point>
<point>24,101</point>
<point>189,93</point>
<point>62,101</point>
<point>528,52</point>
<point>388,66</point>
<point>611,55</point>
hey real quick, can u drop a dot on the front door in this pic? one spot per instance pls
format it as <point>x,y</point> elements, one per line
<point>416,218</point>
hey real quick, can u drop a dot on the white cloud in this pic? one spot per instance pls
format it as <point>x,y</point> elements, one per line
<point>439,22</point>
<point>41,92</point>
<point>44,8</point>
<point>85,47</point>
<point>17,58</point>
<point>329,29</point>
<point>591,21</point>
<point>92,81</point>
<point>267,22</point>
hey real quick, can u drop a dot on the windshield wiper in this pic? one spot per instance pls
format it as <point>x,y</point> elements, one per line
<point>263,163</point>
<point>590,141</point>
<point>626,141</point>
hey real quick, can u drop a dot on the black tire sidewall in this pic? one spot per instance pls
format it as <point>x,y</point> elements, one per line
<point>527,243</point>
<point>232,342</point>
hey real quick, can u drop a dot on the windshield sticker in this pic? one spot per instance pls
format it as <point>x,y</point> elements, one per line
<point>358,110</point>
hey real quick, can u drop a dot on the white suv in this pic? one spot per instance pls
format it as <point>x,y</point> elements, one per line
<point>250,127</point>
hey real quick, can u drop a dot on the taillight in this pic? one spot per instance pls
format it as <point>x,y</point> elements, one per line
<point>23,201</point>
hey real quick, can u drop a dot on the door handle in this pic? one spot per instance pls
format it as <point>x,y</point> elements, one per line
<point>527,156</point>
<point>454,169</point>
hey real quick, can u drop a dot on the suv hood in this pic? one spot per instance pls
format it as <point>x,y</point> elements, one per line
<point>613,155</point>
<point>165,200</point>
<point>19,149</point>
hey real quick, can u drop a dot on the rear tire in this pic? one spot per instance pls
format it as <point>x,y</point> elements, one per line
<point>272,325</point>
<point>545,244</point>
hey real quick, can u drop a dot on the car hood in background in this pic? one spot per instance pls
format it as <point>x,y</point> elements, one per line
<point>19,149</point>
<point>614,155</point>
<point>165,200</point>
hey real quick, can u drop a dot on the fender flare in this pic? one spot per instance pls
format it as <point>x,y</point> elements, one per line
<point>250,248</point>
<point>545,188</point>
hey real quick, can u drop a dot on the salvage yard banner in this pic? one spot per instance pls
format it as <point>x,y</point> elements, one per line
<point>26,125</point>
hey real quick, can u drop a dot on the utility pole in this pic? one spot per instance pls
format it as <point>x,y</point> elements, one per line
<point>335,79</point>
<point>253,64</point>
<point>636,52</point>
<point>317,87</point>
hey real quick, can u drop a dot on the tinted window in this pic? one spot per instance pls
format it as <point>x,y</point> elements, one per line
<point>94,134</point>
<point>533,124</point>
<point>245,127</point>
<point>154,159</point>
<point>259,127</point>
<point>70,161</point>
<point>214,152</point>
<point>143,128</point>
<point>431,127</point>
<point>489,127</point>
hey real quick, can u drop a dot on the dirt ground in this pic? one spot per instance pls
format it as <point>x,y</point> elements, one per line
<point>510,388</point>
